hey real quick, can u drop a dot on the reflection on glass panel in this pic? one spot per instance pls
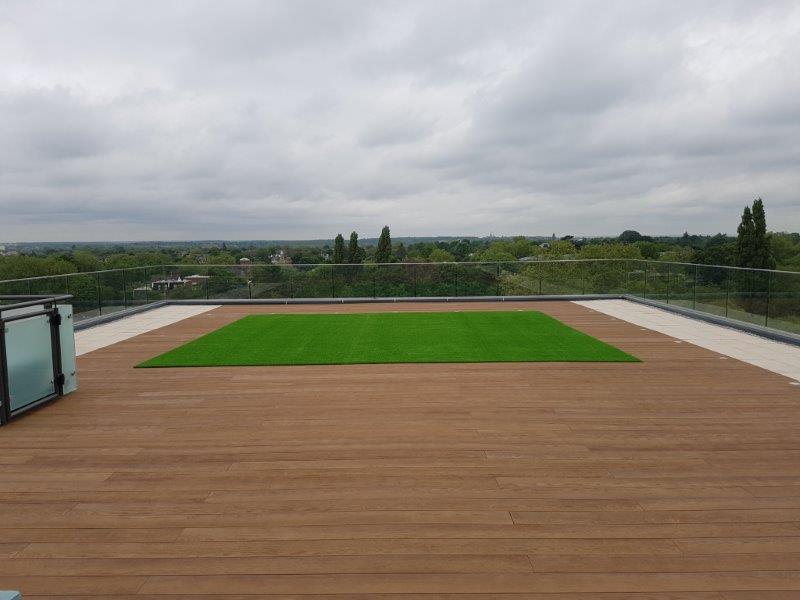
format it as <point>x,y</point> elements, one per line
<point>784,302</point>
<point>271,281</point>
<point>30,360</point>
<point>681,285</point>
<point>315,281</point>
<point>113,296</point>
<point>605,277</point>
<point>394,281</point>
<point>436,279</point>
<point>636,278</point>
<point>85,297</point>
<point>712,287</point>
<point>228,281</point>
<point>748,296</point>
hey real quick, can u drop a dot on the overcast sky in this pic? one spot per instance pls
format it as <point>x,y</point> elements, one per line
<point>285,120</point>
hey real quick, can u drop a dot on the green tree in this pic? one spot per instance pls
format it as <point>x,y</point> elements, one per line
<point>745,239</point>
<point>439,255</point>
<point>762,251</point>
<point>496,253</point>
<point>629,236</point>
<point>383,253</point>
<point>401,252</point>
<point>355,253</point>
<point>85,261</point>
<point>338,249</point>
<point>614,250</point>
<point>753,245</point>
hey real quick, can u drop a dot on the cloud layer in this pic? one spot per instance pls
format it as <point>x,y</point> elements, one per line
<point>251,119</point>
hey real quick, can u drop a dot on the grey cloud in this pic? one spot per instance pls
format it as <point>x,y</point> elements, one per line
<point>276,119</point>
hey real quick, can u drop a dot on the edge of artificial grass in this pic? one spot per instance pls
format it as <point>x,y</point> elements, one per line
<point>623,357</point>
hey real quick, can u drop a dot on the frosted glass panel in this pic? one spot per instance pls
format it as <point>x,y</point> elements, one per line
<point>30,360</point>
<point>67,333</point>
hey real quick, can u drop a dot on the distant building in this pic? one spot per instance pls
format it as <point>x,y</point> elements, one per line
<point>243,268</point>
<point>280,258</point>
<point>195,280</point>
<point>170,283</point>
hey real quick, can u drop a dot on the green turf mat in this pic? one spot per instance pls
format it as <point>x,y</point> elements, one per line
<point>402,337</point>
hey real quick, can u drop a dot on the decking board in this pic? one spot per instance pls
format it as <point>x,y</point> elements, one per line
<point>677,477</point>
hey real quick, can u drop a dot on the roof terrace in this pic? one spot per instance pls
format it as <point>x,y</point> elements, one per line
<point>674,477</point>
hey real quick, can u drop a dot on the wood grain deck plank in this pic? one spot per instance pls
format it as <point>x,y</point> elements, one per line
<point>674,478</point>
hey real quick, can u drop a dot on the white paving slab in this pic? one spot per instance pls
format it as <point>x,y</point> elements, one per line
<point>104,335</point>
<point>774,356</point>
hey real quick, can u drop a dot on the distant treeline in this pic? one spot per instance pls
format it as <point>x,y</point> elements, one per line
<point>751,247</point>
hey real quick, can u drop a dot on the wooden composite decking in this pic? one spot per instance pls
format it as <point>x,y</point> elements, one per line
<point>677,477</point>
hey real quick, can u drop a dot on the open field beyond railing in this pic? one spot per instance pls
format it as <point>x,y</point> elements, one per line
<point>767,298</point>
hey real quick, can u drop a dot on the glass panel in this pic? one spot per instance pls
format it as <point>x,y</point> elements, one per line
<point>562,277</point>
<point>271,281</point>
<point>113,295</point>
<point>351,281</point>
<point>13,288</point>
<point>228,282</point>
<point>658,280</point>
<point>635,278</point>
<point>520,279</point>
<point>30,360</point>
<point>317,281</point>
<point>784,302</point>
<point>85,299</point>
<point>748,296</point>
<point>712,287</point>
<point>436,279</point>
<point>604,277</point>
<point>48,285</point>
<point>394,281</point>
<point>477,279</point>
<point>681,288</point>
<point>187,282</point>
<point>139,285</point>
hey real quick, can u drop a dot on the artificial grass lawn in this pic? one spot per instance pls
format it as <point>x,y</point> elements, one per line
<point>407,337</point>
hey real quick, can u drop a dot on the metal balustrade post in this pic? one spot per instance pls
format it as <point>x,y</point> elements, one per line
<point>540,280</point>
<point>669,279</point>
<point>582,267</point>
<point>414,271</point>
<point>727,290</point>
<point>627,279</point>
<point>769,293</point>
<point>99,297</point>
<point>646,266</point>
<point>124,291</point>
<point>333,282</point>
<point>497,281</point>
<point>374,282</point>
<point>694,289</point>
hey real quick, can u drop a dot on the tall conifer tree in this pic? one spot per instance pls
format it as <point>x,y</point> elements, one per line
<point>354,253</point>
<point>383,253</point>
<point>338,250</point>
